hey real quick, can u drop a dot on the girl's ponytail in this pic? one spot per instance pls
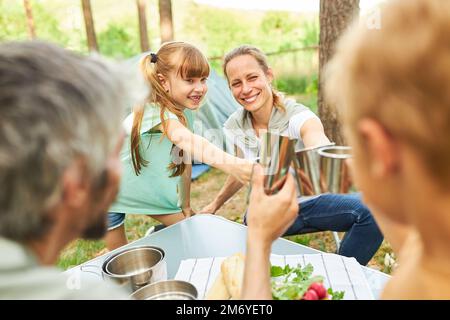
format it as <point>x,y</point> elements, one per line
<point>135,143</point>
<point>138,161</point>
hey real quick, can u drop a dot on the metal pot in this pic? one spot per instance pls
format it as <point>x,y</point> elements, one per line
<point>167,290</point>
<point>134,267</point>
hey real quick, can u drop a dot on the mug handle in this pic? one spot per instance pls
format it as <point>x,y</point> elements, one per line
<point>83,268</point>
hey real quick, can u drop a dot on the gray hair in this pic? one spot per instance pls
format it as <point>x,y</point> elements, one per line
<point>55,107</point>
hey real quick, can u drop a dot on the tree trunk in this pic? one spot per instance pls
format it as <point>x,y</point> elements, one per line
<point>30,20</point>
<point>89,23</point>
<point>335,17</point>
<point>142,25</point>
<point>165,20</point>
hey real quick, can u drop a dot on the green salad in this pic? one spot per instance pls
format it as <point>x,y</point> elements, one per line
<point>297,283</point>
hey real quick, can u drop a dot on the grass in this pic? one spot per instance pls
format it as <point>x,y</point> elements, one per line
<point>80,251</point>
<point>203,191</point>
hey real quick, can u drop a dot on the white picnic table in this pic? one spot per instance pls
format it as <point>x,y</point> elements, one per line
<point>205,236</point>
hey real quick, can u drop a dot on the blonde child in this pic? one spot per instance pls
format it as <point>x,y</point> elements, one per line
<point>157,157</point>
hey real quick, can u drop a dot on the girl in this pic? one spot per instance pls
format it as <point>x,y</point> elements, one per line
<point>157,157</point>
<point>250,80</point>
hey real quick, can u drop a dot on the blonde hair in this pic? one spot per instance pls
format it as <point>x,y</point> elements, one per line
<point>261,59</point>
<point>399,75</point>
<point>188,62</point>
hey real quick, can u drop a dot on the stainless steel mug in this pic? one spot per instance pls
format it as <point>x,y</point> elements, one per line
<point>334,169</point>
<point>276,155</point>
<point>307,168</point>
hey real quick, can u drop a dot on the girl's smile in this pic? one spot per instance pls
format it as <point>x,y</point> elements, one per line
<point>196,98</point>
<point>187,93</point>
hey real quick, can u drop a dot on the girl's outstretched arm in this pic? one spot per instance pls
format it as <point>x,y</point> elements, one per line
<point>202,150</point>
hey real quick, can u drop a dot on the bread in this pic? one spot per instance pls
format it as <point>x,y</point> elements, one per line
<point>233,274</point>
<point>219,290</point>
<point>228,283</point>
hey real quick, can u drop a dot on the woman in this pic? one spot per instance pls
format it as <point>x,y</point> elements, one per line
<point>264,109</point>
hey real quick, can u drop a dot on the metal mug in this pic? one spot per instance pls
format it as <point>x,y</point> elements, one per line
<point>276,155</point>
<point>308,171</point>
<point>167,290</point>
<point>334,169</point>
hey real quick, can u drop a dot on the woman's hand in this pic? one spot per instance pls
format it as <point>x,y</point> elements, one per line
<point>210,208</point>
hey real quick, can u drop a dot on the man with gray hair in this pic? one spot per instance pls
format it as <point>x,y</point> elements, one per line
<point>60,138</point>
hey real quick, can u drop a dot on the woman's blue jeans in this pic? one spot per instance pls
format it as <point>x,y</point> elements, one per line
<point>342,213</point>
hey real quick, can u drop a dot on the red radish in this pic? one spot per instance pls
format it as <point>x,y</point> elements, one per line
<point>310,295</point>
<point>319,289</point>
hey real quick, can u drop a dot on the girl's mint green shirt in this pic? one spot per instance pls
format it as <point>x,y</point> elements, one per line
<point>152,192</point>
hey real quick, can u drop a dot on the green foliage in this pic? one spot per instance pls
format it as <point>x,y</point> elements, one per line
<point>13,23</point>
<point>278,22</point>
<point>291,84</point>
<point>278,31</point>
<point>310,32</point>
<point>119,40</point>
<point>218,30</point>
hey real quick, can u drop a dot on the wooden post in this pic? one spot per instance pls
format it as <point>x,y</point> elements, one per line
<point>142,25</point>
<point>335,17</point>
<point>30,20</point>
<point>165,20</point>
<point>89,23</point>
